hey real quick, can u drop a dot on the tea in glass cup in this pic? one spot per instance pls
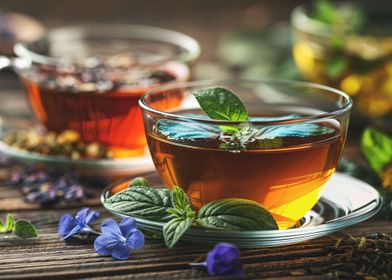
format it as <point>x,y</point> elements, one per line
<point>348,45</point>
<point>89,79</point>
<point>288,149</point>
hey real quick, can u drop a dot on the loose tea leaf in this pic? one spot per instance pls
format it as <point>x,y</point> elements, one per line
<point>143,202</point>
<point>377,148</point>
<point>235,214</point>
<point>25,229</point>
<point>175,228</point>
<point>221,104</point>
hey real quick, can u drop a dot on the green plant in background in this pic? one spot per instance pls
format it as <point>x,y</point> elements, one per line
<point>259,52</point>
<point>377,150</point>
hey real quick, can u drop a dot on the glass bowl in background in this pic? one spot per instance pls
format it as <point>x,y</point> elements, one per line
<point>354,56</point>
<point>89,78</point>
<point>289,148</point>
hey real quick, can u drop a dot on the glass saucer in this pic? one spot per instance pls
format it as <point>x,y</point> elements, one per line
<point>106,168</point>
<point>345,201</point>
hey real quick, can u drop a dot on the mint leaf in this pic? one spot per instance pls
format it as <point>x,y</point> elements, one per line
<point>185,130</point>
<point>139,181</point>
<point>9,223</point>
<point>294,130</point>
<point>143,202</point>
<point>24,229</point>
<point>377,148</point>
<point>174,229</point>
<point>235,214</point>
<point>336,66</point>
<point>221,104</point>
<point>179,199</point>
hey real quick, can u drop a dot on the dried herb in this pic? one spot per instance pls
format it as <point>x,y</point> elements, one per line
<point>67,144</point>
<point>366,257</point>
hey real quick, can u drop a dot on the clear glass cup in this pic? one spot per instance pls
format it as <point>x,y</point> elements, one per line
<point>89,78</point>
<point>297,131</point>
<point>358,63</point>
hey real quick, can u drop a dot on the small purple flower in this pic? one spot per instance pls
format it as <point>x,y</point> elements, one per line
<point>223,260</point>
<point>69,225</point>
<point>118,240</point>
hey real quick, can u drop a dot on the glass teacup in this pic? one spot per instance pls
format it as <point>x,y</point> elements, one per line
<point>284,168</point>
<point>89,79</point>
<point>359,62</point>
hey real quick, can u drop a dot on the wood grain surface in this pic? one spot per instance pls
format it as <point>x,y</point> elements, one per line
<point>48,257</point>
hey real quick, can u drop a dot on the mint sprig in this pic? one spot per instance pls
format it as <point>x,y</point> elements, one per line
<point>178,215</point>
<point>21,228</point>
<point>184,217</point>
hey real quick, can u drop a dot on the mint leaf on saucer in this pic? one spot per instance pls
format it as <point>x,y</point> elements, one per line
<point>139,181</point>
<point>25,229</point>
<point>175,228</point>
<point>235,214</point>
<point>143,202</point>
<point>220,103</point>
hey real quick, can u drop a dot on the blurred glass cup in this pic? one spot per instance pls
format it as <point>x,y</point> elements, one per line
<point>346,53</point>
<point>89,78</point>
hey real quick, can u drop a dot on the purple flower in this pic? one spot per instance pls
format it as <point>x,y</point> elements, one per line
<point>69,225</point>
<point>223,260</point>
<point>117,240</point>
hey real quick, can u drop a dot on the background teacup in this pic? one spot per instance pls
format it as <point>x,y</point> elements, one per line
<point>349,46</point>
<point>89,78</point>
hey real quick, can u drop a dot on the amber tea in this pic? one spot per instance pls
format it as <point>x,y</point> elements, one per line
<point>273,142</point>
<point>287,180</point>
<point>105,112</point>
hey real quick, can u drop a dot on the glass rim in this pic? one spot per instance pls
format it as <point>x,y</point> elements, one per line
<point>191,48</point>
<point>301,119</point>
<point>301,21</point>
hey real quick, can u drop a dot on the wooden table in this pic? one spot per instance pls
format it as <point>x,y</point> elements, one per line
<point>48,257</point>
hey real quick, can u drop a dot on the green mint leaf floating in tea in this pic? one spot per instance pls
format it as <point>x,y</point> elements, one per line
<point>221,104</point>
<point>377,148</point>
<point>143,202</point>
<point>24,229</point>
<point>175,228</point>
<point>235,214</point>
<point>139,181</point>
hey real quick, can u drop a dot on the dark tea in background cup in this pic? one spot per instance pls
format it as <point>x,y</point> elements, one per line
<point>302,131</point>
<point>89,79</point>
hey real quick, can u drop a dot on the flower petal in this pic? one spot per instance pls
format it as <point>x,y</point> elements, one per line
<point>227,251</point>
<point>223,260</point>
<point>81,215</point>
<point>91,217</point>
<point>104,244</point>
<point>66,224</point>
<point>126,226</point>
<point>136,239</point>
<point>74,231</point>
<point>121,252</point>
<point>110,227</point>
